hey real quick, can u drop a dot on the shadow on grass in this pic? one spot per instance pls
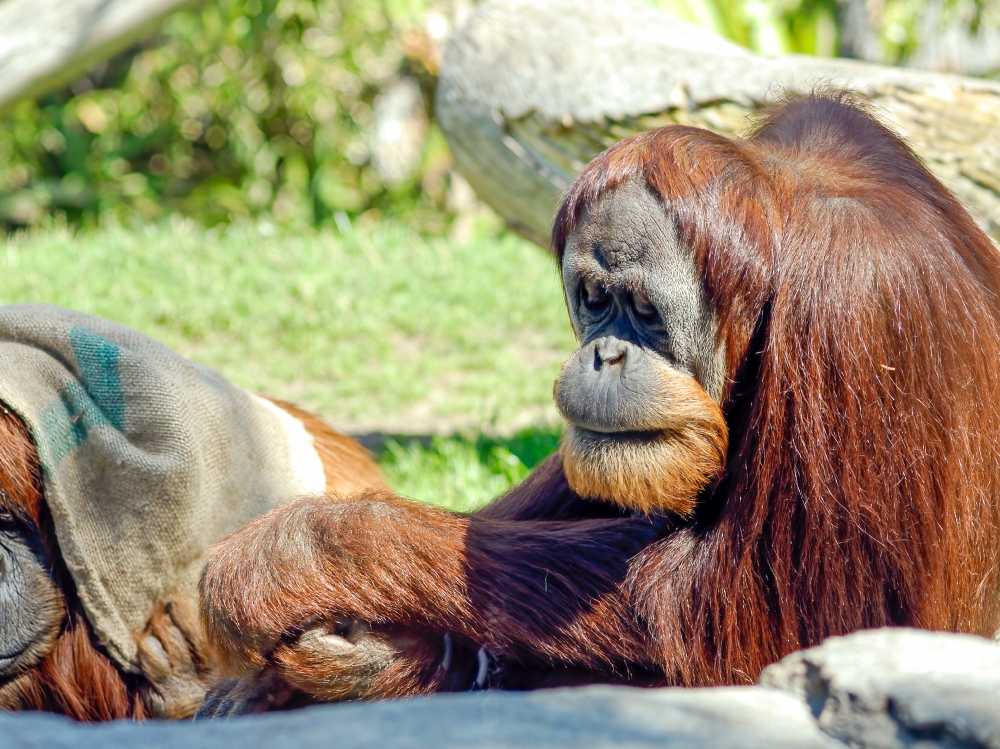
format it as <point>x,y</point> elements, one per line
<point>460,472</point>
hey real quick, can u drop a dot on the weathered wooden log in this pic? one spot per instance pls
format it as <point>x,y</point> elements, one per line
<point>48,43</point>
<point>531,90</point>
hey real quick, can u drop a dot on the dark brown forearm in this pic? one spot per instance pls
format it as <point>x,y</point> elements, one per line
<point>521,588</point>
<point>554,589</point>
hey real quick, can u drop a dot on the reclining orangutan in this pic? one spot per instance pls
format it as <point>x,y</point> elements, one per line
<point>781,426</point>
<point>120,464</point>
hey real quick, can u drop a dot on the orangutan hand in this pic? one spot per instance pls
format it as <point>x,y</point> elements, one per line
<point>173,658</point>
<point>347,660</point>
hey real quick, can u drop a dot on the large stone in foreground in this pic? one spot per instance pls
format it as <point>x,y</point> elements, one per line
<point>592,717</point>
<point>898,688</point>
<point>880,689</point>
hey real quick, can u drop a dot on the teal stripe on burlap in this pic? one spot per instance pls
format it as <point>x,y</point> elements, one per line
<point>82,407</point>
<point>65,423</point>
<point>97,359</point>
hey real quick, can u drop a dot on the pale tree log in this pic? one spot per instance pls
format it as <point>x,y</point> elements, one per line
<point>48,43</point>
<point>531,90</point>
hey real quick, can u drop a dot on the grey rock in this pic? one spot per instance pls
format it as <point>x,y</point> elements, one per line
<point>47,43</point>
<point>530,90</point>
<point>893,688</point>
<point>585,718</point>
<point>877,690</point>
<point>586,59</point>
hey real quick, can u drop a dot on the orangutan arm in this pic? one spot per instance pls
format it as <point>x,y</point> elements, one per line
<point>376,584</point>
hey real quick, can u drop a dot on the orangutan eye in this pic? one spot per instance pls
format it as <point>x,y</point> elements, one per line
<point>644,309</point>
<point>593,296</point>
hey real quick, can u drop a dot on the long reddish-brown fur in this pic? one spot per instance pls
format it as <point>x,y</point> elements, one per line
<point>859,299</point>
<point>858,305</point>
<point>76,678</point>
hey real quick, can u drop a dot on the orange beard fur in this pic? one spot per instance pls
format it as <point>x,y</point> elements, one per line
<point>662,468</point>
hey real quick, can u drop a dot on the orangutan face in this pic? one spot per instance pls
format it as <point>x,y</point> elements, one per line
<point>641,394</point>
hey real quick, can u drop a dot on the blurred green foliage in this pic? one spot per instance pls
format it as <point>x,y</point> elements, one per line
<point>770,26</point>
<point>237,108</point>
<point>900,23</point>
<point>813,26</point>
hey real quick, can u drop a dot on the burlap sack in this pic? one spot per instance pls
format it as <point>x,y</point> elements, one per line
<point>147,458</point>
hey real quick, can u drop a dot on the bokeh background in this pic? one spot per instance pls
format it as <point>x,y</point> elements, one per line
<point>261,185</point>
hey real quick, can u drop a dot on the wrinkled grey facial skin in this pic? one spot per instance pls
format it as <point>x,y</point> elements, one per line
<point>31,606</point>
<point>636,302</point>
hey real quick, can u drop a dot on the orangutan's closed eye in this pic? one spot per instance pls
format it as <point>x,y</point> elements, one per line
<point>593,296</point>
<point>643,308</point>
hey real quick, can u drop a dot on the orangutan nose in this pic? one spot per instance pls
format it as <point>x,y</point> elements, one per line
<point>609,350</point>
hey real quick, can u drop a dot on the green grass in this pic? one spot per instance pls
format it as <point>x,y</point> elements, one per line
<point>462,473</point>
<point>380,331</point>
